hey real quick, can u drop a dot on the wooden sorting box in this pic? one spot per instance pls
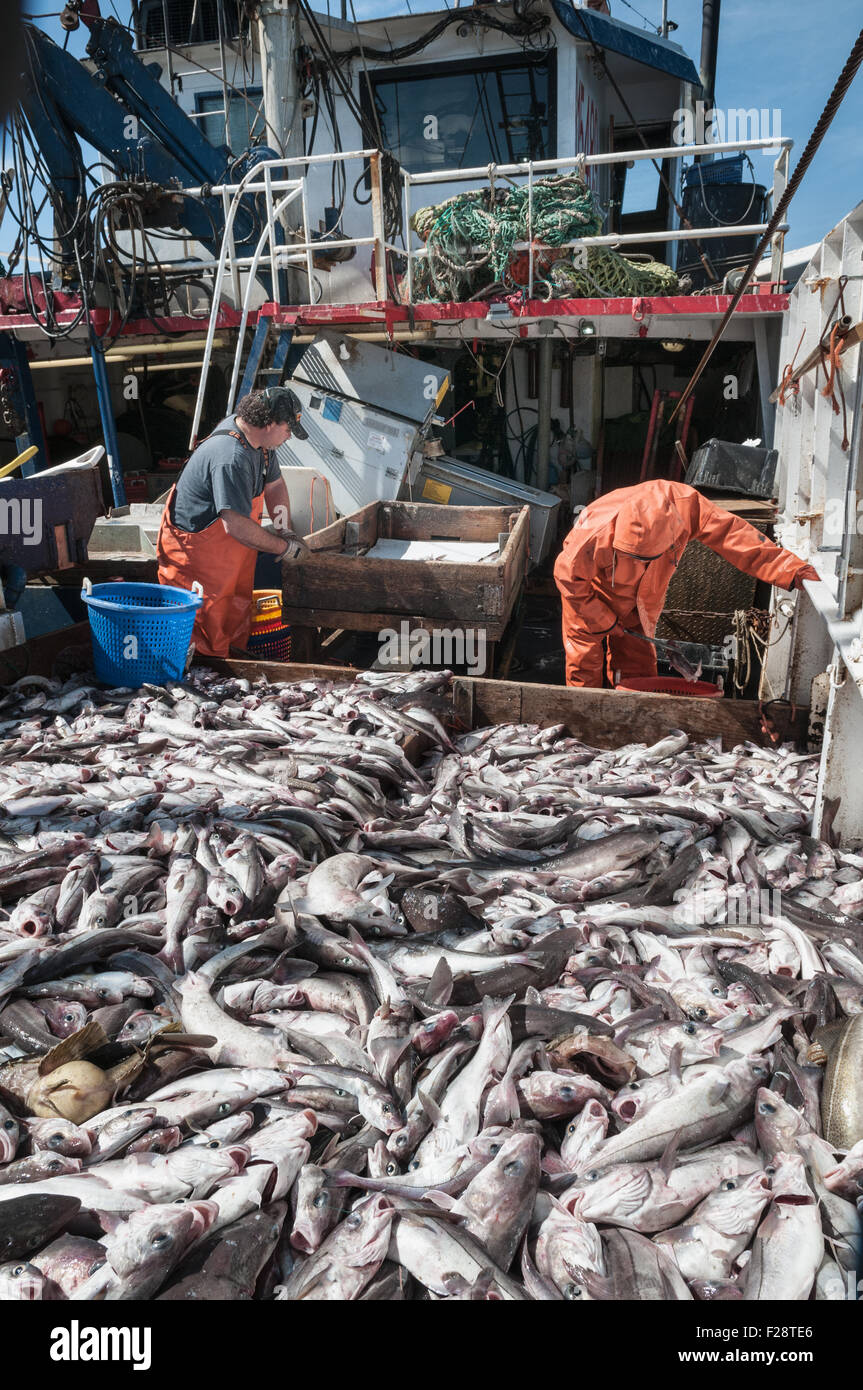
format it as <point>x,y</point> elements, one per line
<point>341,588</point>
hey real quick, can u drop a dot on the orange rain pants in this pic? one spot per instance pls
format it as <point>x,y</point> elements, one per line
<point>653,520</point>
<point>226,570</point>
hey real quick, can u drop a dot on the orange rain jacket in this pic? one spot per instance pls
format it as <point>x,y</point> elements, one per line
<point>652,519</point>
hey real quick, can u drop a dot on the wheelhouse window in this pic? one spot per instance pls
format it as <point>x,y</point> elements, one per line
<point>245,117</point>
<point>468,114</point>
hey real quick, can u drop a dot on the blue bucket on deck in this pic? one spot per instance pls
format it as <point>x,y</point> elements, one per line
<point>141,632</point>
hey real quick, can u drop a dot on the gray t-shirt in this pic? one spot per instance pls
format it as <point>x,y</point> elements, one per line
<point>221,473</point>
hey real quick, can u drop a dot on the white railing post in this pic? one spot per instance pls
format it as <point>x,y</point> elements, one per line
<point>407,183</point>
<point>530,229</point>
<point>780,182</point>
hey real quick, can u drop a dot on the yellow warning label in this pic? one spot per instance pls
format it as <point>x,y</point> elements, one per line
<point>444,387</point>
<point>436,492</point>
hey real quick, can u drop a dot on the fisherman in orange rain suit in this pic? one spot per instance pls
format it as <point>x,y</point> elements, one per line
<point>618,559</point>
<point>211,527</point>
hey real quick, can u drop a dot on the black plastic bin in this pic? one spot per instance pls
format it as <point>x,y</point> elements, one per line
<point>744,469</point>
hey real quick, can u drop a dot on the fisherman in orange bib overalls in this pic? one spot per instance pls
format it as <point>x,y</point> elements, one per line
<point>617,562</point>
<point>211,527</point>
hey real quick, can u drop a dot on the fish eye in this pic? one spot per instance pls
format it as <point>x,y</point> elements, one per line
<point>54,1166</point>
<point>570,1129</point>
<point>728,1186</point>
<point>346,960</point>
<point>635,1085</point>
<point>354,1219</point>
<point>717,989</point>
<point>572,1291</point>
<point>494,1149</point>
<point>392,1168</point>
<point>429,1027</point>
<point>592,1175</point>
<point>759,1070</point>
<point>10,1124</point>
<point>225,1108</point>
<point>68,1018</point>
<point>214,1144</point>
<point>770,1171</point>
<point>160,1238</point>
<point>689,1029</point>
<point>412,1167</point>
<point>765,1108</point>
<point>102,993</point>
<point>341,1093</point>
<point>513,1169</point>
<point>387,1108</point>
<point>699,1012</point>
<point>322,1200</point>
<point>55,1141</point>
<point>400,1140</point>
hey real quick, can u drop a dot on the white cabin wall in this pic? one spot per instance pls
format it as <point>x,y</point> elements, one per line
<point>821,500</point>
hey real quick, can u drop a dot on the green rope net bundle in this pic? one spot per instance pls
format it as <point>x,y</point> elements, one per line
<point>471,241</point>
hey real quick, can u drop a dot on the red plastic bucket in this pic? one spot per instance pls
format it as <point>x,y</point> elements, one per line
<point>672,685</point>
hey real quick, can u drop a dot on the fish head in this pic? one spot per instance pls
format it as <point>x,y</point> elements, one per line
<point>30,920</point>
<point>508,1183</point>
<point>157,1235</point>
<point>735,1206</point>
<point>380,1162</point>
<point>609,1194</point>
<point>789,1183</point>
<point>366,1230</point>
<point>21,1283</point>
<point>60,1136</point>
<point>63,1016</point>
<point>430,1035</point>
<point>584,1134</point>
<point>382,1111</point>
<point>633,1099</point>
<point>489,1142</point>
<point>700,1041</point>
<point>777,1123</point>
<point>552,1093</point>
<point>9,1134</point>
<point>139,1026</point>
<point>54,1165</point>
<point>318,1208</point>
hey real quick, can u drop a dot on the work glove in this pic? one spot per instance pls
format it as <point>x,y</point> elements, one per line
<point>296,546</point>
<point>809,573</point>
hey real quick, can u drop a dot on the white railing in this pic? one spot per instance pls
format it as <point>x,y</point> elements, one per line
<point>549,166</point>
<point>267,179</point>
<point>260,180</point>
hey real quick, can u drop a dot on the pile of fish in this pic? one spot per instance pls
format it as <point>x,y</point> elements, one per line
<point>306,993</point>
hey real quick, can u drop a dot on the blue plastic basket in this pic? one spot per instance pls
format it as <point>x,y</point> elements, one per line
<point>141,632</point>
<point>715,171</point>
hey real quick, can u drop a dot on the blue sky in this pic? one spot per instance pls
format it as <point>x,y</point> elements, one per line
<point>772,53</point>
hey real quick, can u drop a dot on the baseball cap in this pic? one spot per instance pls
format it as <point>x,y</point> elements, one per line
<point>286,407</point>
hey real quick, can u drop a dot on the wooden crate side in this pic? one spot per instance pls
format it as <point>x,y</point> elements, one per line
<point>279,670</point>
<point>612,718</point>
<point>442,591</point>
<point>422,521</point>
<point>516,553</point>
